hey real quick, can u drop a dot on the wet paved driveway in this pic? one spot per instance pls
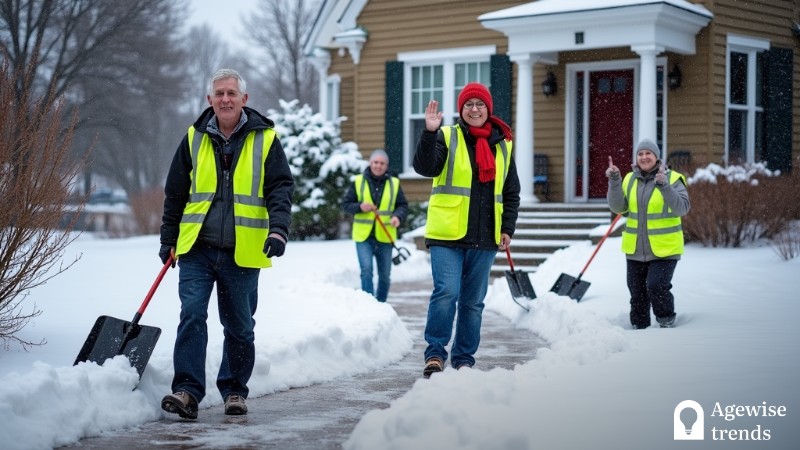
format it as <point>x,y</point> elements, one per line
<point>322,416</point>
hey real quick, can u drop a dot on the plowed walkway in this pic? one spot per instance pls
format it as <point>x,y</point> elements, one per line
<point>322,416</point>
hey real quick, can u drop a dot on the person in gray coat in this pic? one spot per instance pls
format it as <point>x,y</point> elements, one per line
<point>653,199</point>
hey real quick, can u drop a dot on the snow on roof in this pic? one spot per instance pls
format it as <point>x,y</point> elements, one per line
<point>546,7</point>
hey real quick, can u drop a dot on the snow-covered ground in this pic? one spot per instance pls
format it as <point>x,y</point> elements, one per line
<point>598,385</point>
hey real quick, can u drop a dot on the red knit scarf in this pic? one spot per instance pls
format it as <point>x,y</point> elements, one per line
<point>483,154</point>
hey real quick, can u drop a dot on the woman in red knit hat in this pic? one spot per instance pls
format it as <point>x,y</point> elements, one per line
<point>471,214</point>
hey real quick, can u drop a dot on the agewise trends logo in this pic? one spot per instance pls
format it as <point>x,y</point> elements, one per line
<point>688,422</point>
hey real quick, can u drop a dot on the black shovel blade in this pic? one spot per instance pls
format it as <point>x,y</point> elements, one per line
<point>570,286</point>
<point>520,284</point>
<point>111,337</point>
<point>402,255</point>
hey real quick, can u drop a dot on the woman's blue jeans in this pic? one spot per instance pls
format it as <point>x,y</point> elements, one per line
<point>460,281</point>
<point>382,254</point>
<point>237,298</point>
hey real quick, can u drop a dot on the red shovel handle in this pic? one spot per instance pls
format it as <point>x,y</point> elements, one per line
<point>152,291</point>
<point>508,256</point>
<point>613,222</point>
<point>380,222</point>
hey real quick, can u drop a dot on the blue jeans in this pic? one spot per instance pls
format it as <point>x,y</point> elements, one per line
<point>460,281</point>
<point>382,254</point>
<point>237,298</point>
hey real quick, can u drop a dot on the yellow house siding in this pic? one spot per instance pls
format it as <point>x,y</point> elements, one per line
<point>412,25</point>
<point>695,111</point>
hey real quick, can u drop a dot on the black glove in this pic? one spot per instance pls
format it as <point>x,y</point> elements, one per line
<point>274,247</point>
<point>164,253</point>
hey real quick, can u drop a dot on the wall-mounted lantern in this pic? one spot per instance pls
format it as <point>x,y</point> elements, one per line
<point>550,85</point>
<point>675,77</point>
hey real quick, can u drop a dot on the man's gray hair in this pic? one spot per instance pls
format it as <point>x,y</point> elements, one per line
<point>222,74</point>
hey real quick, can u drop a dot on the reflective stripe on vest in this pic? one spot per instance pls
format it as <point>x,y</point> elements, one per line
<point>663,228</point>
<point>251,218</point>
<point>364,221</point>
<point>448,208</point>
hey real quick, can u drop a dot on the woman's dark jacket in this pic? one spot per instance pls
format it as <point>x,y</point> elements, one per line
<point>429,161</point>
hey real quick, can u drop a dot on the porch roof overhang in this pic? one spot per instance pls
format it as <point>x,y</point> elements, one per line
<point>336,27</point>
<point>546,27</point>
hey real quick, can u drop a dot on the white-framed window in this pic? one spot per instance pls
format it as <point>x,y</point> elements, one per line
<point>438,75</point>
<point>331,108</point>
<point>744,110</point>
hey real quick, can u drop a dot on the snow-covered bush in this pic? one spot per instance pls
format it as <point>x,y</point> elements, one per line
<point>322,166</point>
<point>737,205</point>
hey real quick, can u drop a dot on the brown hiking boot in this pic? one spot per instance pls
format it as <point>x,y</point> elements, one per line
<point>235,406</point>
<point>180,403</point>
<point>432,366</point>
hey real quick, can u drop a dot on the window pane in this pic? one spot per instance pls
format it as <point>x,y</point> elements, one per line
<point>759,150</point>
<point>660,78</point>
<point>426,84</point>
<point>737,136</point>
<point>485,74</point>
<point>620,85</point>
<point>426,76</point>
<point>579,134</point>
<point>603,86</point>
<point>461,75</point>
<point>660,106</point>
<point>438,77</point>
<point>759,77</point>
<point>738,78</point>
<point>416,127</point>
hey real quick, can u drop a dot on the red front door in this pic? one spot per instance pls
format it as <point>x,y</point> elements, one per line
<point>610,126</point>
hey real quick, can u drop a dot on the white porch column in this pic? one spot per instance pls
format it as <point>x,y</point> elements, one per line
<point>523,127</point>
<point>321,60</point>
<point>647,91</point>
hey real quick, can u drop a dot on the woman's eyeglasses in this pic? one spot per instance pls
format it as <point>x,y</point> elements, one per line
<point>470,105</point>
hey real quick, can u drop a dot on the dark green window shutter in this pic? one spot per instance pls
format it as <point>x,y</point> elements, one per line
<point>501,76</point>
<point>777,97</point>
<point>393,133</point>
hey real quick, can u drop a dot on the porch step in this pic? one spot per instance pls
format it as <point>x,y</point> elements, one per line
<point>543,229</point>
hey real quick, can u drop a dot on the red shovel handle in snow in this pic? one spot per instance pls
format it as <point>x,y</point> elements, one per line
<point>402,252</point>
<point>508,256</point>
<point>152,291</point>
<point>610,228</point>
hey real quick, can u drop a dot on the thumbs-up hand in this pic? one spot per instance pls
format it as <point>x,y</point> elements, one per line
<point>613,171</point>
<point>661,175</point>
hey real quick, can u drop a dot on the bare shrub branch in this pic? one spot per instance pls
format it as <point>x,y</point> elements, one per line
<point>146,208</point>
<point>35,174</point>
<point>787,243</point>
<point>739,205</point>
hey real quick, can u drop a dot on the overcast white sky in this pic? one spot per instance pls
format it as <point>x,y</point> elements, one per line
<point>223,17</point>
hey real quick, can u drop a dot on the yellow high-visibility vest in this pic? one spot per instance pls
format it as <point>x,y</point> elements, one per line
<point>663,227</point>
<point>448,208</point>
<point>251,218</point>
<point>364,221</point>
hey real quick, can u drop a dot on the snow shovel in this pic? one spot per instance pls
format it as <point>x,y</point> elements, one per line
<point>402,252</point>
<point>519,284</point>
<point>575,287</point>
<point>111,336</point>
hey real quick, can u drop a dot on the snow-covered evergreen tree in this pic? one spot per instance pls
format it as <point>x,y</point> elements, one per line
<point>322,166</point>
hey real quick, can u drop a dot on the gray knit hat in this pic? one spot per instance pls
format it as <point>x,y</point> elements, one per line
<point>378,152</point>
<point>647,144</point>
